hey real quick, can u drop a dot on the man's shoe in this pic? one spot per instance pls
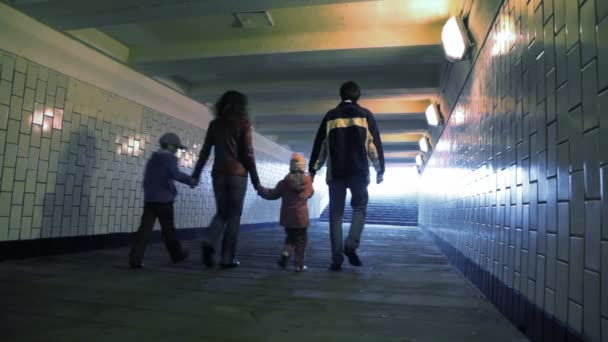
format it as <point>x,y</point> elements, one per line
<point>335,267</point>
<point>184,256</point>
<point>136,265</point>
<point>353,258</point>
<point>207,255</point>
<point>283,259</point>
<point>301,269</point>
<point>229,265</point>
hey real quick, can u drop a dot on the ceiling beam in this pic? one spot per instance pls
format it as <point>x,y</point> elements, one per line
<point>384,109</point>
<point>102,42</point>
<point>77,14</point>
<point>270,128</point>
<point>275,42</point>
<point>293,119</point>
<point>327,61</point>
<point>413,81</point>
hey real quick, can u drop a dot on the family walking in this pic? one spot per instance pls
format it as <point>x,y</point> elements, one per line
<point>346,141</point>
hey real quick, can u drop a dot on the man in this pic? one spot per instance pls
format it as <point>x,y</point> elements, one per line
<point>347,138</point>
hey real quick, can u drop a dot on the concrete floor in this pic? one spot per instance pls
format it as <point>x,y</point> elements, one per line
<point>406,291</point>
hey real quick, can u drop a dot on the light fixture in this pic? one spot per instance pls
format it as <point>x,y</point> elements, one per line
<point>419,160</point>
<point>433,116</point>
<point>424,144</point>
<point>455,39</point>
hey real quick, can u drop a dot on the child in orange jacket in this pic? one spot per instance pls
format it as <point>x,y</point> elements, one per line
<point>295,190</point>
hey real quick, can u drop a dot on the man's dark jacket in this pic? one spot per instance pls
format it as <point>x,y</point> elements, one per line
<point>347,138</point>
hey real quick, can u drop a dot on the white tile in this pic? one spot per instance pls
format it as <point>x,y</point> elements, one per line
<point>577,264</point>
<point>604,278</point>
<point>4,222</point>
<point>19,84</point>
<point>590,97</point>
<point>4,117</point>
<point>21,168</point>
<point>602,53</point>
<point>8,67</point>
<point>15,218</point>
<point>32,76</point>
<point>592,164</point>
<point>572,23</point>
<point>592,235</point>
<point>561,292</point>
<point>5,203</point>
<point>551,262</point>
<point>5,92</point>
<point>8,176</point>
<point>591,311</point>
<point>577,204</point>
<point>550,302</point>
<point>18,192</point>
<point>574,76</point>
<point>21,65</point>
<point>575,317</point>
<point>12,134</point>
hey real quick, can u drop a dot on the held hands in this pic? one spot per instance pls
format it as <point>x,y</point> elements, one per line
<point>193,182</point>
<point>379,178</point>
<point>261,190</point>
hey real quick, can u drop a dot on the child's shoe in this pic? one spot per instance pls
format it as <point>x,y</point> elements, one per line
<point>301,269</point>
<point>284,259</point>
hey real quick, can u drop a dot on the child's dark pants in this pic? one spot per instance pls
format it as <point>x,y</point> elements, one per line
<point>164,213</point>
<point>296,240</point>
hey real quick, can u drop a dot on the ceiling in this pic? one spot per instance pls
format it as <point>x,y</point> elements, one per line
<point>289,56</point>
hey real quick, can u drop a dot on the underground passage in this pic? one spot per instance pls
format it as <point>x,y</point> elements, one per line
<point>323,170</point>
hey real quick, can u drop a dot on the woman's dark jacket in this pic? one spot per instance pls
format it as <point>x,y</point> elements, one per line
<point>233,142</point>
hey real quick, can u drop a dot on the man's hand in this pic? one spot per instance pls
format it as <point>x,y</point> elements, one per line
<point>379,178</point>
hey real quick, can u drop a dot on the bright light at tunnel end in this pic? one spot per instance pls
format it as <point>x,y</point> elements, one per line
<point>455,39</point>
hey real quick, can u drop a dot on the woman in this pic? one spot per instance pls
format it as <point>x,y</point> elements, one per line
<point>230,134</point>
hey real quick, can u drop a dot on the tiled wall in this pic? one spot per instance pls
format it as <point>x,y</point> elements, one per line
<point>519,180</point>
<point>72,159</point>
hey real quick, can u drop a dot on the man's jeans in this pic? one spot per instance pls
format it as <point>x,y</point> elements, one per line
<point>337,197</point>
<point>229,197</point>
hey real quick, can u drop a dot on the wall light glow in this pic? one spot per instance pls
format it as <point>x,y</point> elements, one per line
<point>38,118</point>
<point>503,37</point>
<point>455,39</point>
<point>458,116</point>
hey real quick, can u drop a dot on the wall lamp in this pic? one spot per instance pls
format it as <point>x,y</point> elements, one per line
<point>425,146</point>
<point>455,39</point>
<point>433,116</point>
<point>419,160</point>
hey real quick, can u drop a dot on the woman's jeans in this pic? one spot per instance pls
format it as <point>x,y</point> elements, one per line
<point>229,197</point>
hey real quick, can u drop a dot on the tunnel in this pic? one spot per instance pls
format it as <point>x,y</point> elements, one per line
<point>487,209</point>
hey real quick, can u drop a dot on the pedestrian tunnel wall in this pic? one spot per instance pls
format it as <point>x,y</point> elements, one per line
<point>76,129</point>
<point>516,190</point>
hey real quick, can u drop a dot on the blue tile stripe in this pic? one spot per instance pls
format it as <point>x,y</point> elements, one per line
<point>21,249</point>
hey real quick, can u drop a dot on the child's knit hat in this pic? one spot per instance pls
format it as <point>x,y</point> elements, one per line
<point>297,163</point>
